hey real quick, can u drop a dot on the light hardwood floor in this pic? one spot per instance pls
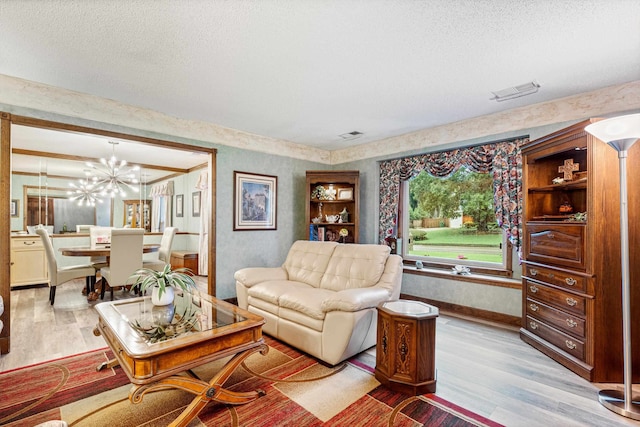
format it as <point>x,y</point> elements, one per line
<point>481,367</point>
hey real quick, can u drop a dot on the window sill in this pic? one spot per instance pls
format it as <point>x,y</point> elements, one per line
<point>483,279</point>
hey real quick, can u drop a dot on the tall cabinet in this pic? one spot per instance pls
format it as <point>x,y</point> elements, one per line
<point>572,308</point>
<point>132,214</point>
<point>333,205</point>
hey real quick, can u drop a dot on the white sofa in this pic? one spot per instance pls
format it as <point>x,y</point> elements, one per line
<point>323,299</point>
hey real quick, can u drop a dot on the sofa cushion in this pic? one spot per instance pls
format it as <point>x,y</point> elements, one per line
<point>300,319</point>
<point>355,266</point>
<point>307,261</point>
<point>306,301</point>
<point>264,305</point>
<point>271,290</point>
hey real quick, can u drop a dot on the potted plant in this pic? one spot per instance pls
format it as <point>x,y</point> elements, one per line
<point>162,283</point>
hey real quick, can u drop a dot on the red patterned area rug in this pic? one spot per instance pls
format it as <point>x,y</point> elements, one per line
<point>299,392</point>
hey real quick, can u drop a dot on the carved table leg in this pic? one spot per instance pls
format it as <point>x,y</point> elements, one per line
<point>205,391</point>
<point>108,364</point>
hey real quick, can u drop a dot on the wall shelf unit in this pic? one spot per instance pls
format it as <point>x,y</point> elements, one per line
<point>329,195</point>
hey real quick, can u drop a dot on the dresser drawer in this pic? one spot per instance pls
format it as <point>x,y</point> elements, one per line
<point>564,300</point>
<point>567,322</point>
<point>556,277</point>
<point>21,243</point>
<point>564,342</point>
<point>556,244</point>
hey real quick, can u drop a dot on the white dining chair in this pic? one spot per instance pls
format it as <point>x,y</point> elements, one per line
<point>94,232</point>
<point>58,276</point>
<point>164,253</point>
<point>125,258</point>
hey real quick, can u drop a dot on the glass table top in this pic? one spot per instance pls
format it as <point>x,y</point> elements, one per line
<point>189,313</point>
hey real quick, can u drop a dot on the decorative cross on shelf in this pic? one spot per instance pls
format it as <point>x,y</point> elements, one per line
<point>568,168</point>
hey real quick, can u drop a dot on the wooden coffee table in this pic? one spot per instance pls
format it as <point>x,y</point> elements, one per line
<point>204,328</point>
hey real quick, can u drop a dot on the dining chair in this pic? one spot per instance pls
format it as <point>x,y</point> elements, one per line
<point>164,253</point>
<point>58,276</point>
<point>125,258</point>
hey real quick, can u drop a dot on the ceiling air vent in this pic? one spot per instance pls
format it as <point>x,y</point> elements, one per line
<point>515,91</point>
<point>351,135</point>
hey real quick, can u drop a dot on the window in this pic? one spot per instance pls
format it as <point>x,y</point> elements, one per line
<point>161,215</point>
<point>452,220</point>
<point>457,184</point>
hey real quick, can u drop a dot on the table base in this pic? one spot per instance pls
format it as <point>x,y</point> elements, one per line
<point>205,391</point>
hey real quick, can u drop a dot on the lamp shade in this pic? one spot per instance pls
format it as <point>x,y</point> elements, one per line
<point>619,132</point>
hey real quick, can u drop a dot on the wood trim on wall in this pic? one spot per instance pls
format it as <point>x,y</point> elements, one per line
<point>476,313</point>
<point>5,226</point>
<point>6,120</point>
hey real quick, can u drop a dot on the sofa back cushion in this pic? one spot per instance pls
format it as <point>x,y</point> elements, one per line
<point>307,261</point>
<point>355,266</point>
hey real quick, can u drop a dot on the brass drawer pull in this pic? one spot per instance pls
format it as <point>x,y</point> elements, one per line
<point>533,325</point>
<point>570,344</point>
<point>533,272</point>
<point>551,275</point>
<point>533,289</point>
<point>570,281</point>
<point>571,323</point>
<point>551,236</point>
<point>533,307</point>
<point>571,302</point>
<point>29,243</point>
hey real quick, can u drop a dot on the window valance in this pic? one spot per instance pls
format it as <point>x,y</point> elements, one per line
<point>165,189</point>
<point>502,159</point>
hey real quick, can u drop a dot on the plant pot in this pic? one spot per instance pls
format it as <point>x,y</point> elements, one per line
<point>163,314</point>
<point>166,298</point>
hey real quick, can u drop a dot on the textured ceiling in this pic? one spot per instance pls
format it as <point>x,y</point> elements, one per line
<point>307,71</point>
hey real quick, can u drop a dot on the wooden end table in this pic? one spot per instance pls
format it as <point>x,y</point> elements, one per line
<point>405,350</point>
<point>202,329</point>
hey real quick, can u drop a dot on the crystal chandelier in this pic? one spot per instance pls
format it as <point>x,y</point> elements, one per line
<point>114,177</point>
<point>85,192</point>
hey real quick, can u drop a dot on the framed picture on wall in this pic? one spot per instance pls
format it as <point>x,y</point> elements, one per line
<point>179,205</point>
<point>14,207</point>
<point>254,201</point>
<point>195,203</point>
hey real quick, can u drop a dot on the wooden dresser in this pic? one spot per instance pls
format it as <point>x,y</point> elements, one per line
<point>572,308</point>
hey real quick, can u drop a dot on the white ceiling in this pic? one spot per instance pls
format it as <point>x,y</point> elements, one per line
<point>307,71</point>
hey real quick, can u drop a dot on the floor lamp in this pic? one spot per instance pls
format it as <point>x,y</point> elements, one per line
<point>621,133</point>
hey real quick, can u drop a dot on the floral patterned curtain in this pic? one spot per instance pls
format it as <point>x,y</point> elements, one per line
<point>502,159</point>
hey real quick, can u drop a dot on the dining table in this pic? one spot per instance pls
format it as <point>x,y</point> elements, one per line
<point>100,251</point>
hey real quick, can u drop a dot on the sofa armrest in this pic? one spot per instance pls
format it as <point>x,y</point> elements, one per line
<point>252,275</point>
<point>355,299</point>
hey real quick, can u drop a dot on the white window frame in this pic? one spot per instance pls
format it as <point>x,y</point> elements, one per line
<point>504,269</point>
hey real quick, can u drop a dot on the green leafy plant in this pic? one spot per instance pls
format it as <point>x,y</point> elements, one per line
<point>181,323</point>
<point>416,214</point>
<point>181,278</point>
